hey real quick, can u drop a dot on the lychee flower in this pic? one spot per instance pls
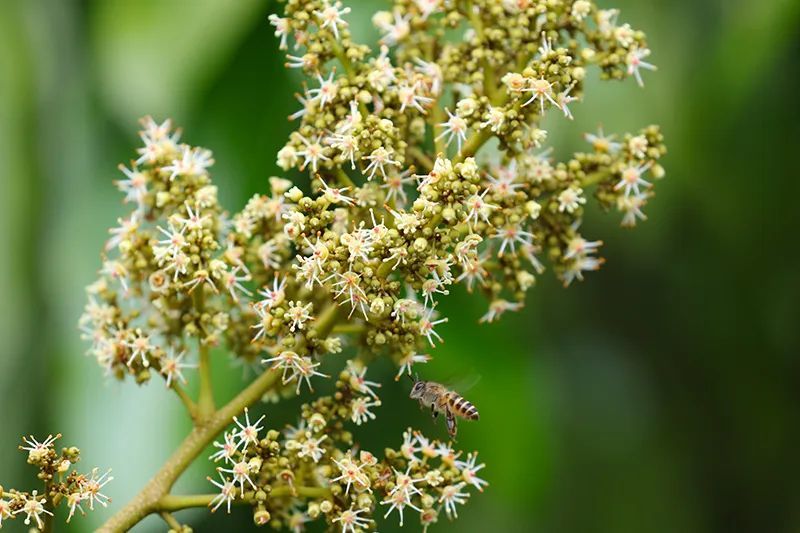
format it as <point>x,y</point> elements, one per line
<point>378,159</point>
<point>350,520</point>
<point>498,307</point>
<point>450,496</point>
<point>241,473</point>
<point>326,92</point>
<point>33,507</point>
<point>410,360</point>
<point>634,59</point>
<point>570,199</point>
<point>541,90</point>
<point>631,179</point>
<point>172,366</point>
<point>360,410</point>
<point>227,493</point>
<point>331,16</point>
<point>248,432</point>
<point>454,127</point>
<point>227,448</point>
<point>469,469</point>
<point>399,500</point>
<point>426,325</point>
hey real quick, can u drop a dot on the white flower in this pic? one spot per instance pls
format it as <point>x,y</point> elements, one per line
<point>299,314</point>
<point>233,282</point>
<point>564,99</point>
<point>350,473</point>
<point>116,270</point>
<point>495,118</point>
<point>349,284</point>
<point>638,146</point>
<point>347,145</point>
<point>331,16</point>
<point>350,520</point>
<point>311,448</point>
<point>273,296</point>
<point>360,410</point>
<point>631,179</point>
<point>378,159</point>
<point>241,473</point>
<point>358,382</point>
<point>404,483</point>
<point>407,94</point>
<point>192,220</point>
<point>171,366</point>
<point>541,90</point>
<point>5,510</point>
<point>134,187</point>
<point>579,265</point>
<point>227,448</point>
<point>455,126</point>
<point>469,469</point>
<point>579,246</point>
<point>312,153</point>
<point>327,91</point>
<point>282,28</point>
<point>498,307</point>
<point>335,195</point>
<point>248,432</point>
<point>407,449</point>
<point>428,7</point>
<point>478,208</point>
<point>451,495</point>
<point>91,488</point>
<point>399,500</point>
<point>38,450</point>
<point>192,162</point>
<point>140,347</point>
<point>396,30</point>
<point>175,240</point>
<point>570,199</point>
<point>634,59</point>
<point>410,360</point>
<point>226,495</point>
<point>511,235</point>
<point>404,221</point>
<point>603,143</point>
<point>158,143</point>
<point>426,325</point>
<point>631,206</point>
<point>33,508</point>
<point>287,361</point>
<point>306,369</point>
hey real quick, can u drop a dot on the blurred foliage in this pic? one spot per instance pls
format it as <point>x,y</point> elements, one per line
<point>660,395</point>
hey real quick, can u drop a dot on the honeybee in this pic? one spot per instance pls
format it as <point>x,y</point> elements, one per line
<point>443,400</point>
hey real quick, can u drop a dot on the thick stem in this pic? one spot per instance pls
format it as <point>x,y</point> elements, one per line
<point>205,398</point>
<point>146,502</point>
<point>176,502</point>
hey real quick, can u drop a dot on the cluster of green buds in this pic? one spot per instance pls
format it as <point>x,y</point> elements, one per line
<point>428,167</point>
<point>62,485</point>
<point>318,461</point>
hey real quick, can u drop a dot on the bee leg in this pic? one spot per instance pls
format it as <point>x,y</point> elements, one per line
<point>451,424</point>
<point>434,413</point>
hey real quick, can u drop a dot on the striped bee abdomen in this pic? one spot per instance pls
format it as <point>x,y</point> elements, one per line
<point>462,407</point>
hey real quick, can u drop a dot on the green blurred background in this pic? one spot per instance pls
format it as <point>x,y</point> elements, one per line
<point>660,395</point>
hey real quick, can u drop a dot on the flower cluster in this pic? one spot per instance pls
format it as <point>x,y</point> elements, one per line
<point>428,168</point>
<point>318,463</point>
<point>74,490</point>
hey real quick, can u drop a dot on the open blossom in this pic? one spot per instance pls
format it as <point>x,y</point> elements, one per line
<point>172,367</point>
<point>454,127</point>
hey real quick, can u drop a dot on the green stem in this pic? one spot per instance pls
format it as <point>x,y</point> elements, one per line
<point>170,520</point>
<point>187,401</point>
<point>176,502</point>
<point>147,500</point>
<point>205,399</point>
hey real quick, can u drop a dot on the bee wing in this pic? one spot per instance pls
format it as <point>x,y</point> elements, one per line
<point>462,384</point>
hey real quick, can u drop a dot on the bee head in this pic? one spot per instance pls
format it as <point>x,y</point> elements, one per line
<point>419,386</point>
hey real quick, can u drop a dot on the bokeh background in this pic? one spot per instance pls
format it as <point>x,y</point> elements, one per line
<point>660,395</point>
